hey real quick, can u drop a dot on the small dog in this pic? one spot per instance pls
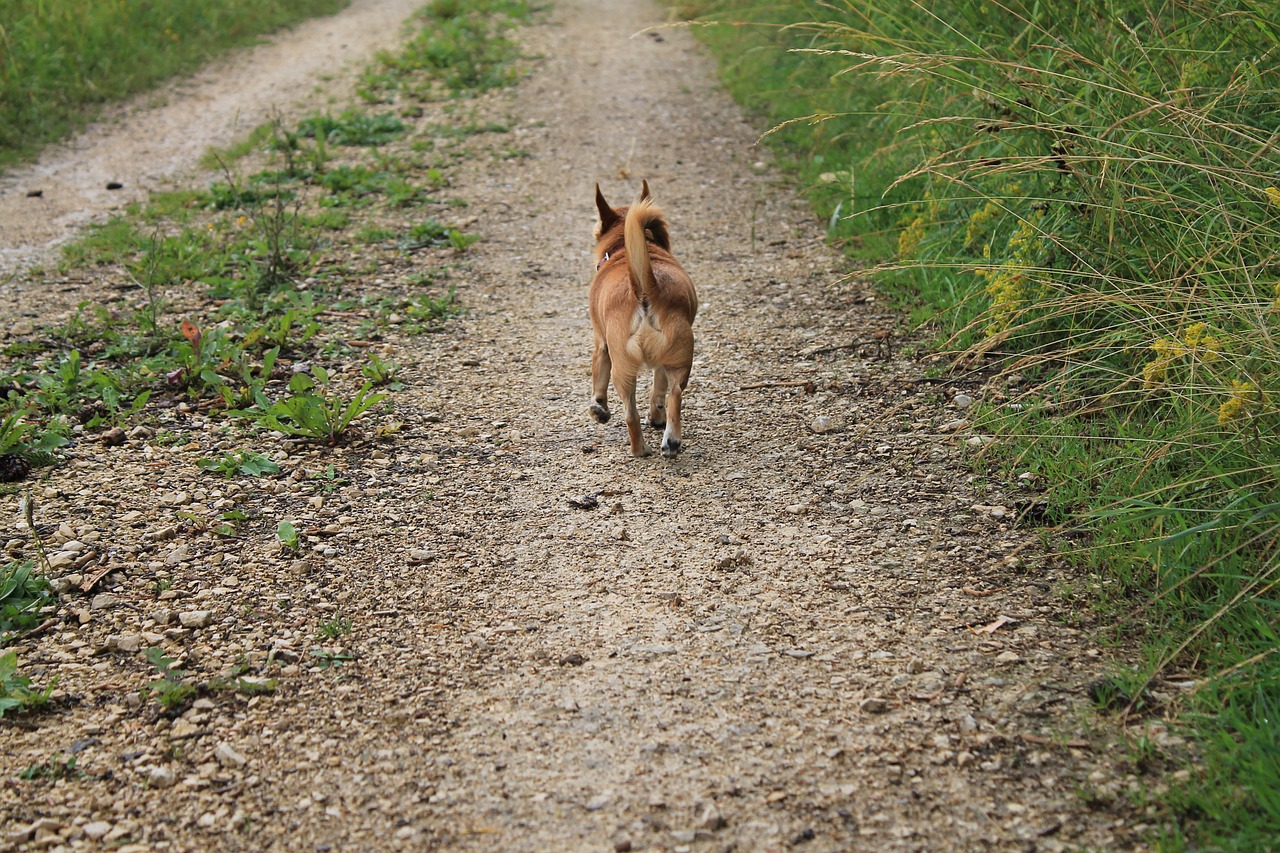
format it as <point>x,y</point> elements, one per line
<point>642,309</point>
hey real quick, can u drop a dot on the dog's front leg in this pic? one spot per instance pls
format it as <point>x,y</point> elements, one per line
<point>601,369</point>
<point>626,388</point>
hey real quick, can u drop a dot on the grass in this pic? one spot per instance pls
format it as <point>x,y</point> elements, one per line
<point>62,60</point>
<point>1080,202</point>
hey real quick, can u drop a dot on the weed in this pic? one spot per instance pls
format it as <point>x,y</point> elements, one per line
<point>332,629</point>
<point>433,235</point>
<point>245,462</point>
<point>169,689</point>
<point>381,372</point>
<point>22,595</point>
<point>328,658</point>
<point>352,127</point>
<point>314,409</point>
<point>287,535</point>
<point>16,693</point>
<point>57,767</point>
<point>428,312</point>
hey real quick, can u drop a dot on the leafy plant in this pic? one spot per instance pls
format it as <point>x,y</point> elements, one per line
<point>245,462</point>
<point>433,235</point>
<point>57,767</point>
<point>381,372</point>
<point>332,629</point>
<point>16,693</point>
<point>22,595</point>
<point>315,410</point>
<point>287,534</point>
<point>169,689</point>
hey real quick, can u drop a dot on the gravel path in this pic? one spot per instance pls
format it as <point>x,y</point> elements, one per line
<point>814,628</point>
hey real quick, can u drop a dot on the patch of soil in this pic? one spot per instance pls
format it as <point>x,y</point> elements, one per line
<point>810,630</point>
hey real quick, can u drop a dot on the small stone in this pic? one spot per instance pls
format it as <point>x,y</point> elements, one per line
<point>824,424</point>
<point>195,618</point>
<point>962,401</point>
<point>206,820</point>
<point>161,777</point>
<point>873,705</point>
<point>420,555</point>
<point>1008,657</point>
<point>97,829</point>
<point>953,426</point>
<point>102,601</point>
<point>598,802</point>
<point>622,845</point>
<point>177,555</point>
<point>114,437</point>
<point>621,534</point>
<point>228,757</point>
<point>125,642</point>
<point>712,819</point>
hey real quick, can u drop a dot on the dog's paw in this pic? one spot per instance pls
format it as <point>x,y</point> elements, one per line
<point>600,413</point>
<point>670,447</point>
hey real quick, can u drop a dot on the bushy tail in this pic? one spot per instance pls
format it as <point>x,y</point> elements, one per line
<point>640,216</point>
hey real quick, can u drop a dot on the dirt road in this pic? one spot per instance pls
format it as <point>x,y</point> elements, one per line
<point>814,629</point>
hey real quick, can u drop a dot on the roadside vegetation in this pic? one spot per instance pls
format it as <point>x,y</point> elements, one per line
<point>1080,205</point>
<point>258,309</point>
<point>62,60</point>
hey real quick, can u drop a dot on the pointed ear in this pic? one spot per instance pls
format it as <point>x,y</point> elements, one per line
<point>644,190</point>
<point>607,216</point>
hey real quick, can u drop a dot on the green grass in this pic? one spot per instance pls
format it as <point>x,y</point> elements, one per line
<point>1086,196</point>
<point>62,60</point>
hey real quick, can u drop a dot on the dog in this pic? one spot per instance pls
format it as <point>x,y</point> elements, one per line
<point>642,306</point>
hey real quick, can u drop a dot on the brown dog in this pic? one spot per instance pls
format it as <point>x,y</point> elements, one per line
<point>642,309</point>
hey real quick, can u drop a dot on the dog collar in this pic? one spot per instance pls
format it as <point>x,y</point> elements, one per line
<point>603,260</point>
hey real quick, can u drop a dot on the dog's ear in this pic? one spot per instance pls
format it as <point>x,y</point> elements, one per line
<point>644,189</point>
<point>607,217</point>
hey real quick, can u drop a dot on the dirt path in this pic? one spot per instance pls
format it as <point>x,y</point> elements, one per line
<point>144,147</point>
<point>770,642</point>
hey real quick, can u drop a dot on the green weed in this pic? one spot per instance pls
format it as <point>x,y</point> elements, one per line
<point>169,690</point>
<point>245,462</point>
<point>23,594</point>
<point>314,409</point>
<point>287,535</point>
<point>16,693</point>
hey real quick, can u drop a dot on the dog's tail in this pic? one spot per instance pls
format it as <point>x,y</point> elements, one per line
<point>644,225</point>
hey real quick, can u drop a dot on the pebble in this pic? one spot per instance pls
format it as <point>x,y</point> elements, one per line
<point>161,777</point>
<point>824,424</point>
<point>124,642</point>
<point>953,426</point>
<point>102,601</point>
<point>228,757</point>
<point>962,401</point>
<point>177,555</point>
<point>97,829</point>
<point>195,618</point>
<point>1008,657</point>
<point>873,705</point>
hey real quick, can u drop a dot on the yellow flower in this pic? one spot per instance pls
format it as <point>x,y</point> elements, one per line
<point>1243,394</point>
<point>909,239</point>
<point>1274,195</point>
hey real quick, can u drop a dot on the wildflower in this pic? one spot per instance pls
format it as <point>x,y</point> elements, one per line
<point>1273,194</point>
<point>1198,341</point>
<point>980,222</point>
<point>910,238</point>
<point>1167,352</point>
<point>1243,394</point>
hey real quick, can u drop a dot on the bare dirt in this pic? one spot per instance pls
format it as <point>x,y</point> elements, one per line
<point>816,628</point>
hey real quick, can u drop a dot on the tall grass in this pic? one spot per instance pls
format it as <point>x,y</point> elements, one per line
<point>61,60</point>
<point>1088,196</point>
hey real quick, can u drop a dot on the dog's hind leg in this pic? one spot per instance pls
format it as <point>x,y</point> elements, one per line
<point>601,368</point>
<point>626,388</point>
<point>658,399</point>
<point>676,380</point>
